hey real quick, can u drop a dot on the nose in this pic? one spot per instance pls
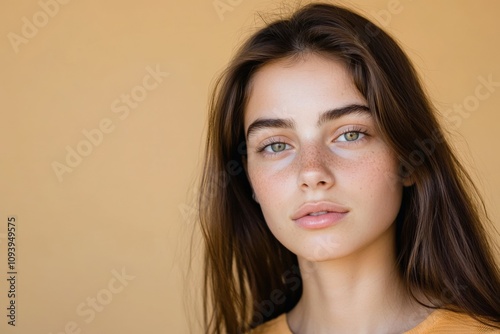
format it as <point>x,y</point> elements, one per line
<point>315,169</point>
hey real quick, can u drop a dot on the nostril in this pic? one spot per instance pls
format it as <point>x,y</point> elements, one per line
<point>317,176</point>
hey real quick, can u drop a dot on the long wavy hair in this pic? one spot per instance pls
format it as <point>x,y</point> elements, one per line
<point>443,251</point>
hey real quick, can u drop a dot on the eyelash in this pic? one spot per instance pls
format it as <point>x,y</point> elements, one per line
<point>275,140</point>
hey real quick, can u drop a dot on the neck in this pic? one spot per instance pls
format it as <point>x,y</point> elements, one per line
<point>359,293</point>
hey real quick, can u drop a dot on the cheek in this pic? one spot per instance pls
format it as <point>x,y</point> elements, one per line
<point>377,171</point>
<point>269,183</point>
<point>273,188</point>
<point>377,186</point>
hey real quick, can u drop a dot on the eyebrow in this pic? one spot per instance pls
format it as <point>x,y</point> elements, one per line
<point>329,115</point>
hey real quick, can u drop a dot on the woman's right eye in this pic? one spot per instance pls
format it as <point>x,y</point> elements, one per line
<point>276,147</point>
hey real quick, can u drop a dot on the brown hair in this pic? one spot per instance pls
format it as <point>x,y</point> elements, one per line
<point>442,248</point>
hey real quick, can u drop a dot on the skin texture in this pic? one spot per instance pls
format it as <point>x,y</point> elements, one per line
<point>348,268</point>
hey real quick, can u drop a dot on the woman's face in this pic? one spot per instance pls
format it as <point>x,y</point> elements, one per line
<point>322,174</point>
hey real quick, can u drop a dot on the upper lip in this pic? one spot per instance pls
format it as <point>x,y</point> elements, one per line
<point>312,207</point>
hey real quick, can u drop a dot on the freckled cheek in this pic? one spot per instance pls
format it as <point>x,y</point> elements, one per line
<point>374,171</point>
<point>271,181</point>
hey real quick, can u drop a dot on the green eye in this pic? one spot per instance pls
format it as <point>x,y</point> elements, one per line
<point>277,147</point>
<point>351,136</point>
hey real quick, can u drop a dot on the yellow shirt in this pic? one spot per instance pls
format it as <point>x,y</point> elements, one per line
<point>439,321</point>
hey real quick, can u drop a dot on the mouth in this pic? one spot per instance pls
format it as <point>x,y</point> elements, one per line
<point>319,215</point>
<point>318,209</point>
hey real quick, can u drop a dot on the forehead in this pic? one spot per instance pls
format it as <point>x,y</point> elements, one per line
<point>305,86</point>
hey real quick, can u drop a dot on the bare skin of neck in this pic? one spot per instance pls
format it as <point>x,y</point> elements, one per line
<point>357,294</point>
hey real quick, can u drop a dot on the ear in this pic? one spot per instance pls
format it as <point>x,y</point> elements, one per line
<point>407,177</point>
<point>408,181</point>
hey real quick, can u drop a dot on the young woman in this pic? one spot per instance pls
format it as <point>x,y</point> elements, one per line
<point>330,200</point>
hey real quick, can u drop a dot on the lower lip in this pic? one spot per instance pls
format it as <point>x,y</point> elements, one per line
<point>321,221</point>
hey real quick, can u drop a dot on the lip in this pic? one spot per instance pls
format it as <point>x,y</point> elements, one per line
<point>333,214</point>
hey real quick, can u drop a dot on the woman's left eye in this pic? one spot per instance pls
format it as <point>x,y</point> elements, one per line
<point>350,136</point>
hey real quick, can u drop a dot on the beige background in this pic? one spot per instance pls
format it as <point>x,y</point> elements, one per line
<point>128,204</point>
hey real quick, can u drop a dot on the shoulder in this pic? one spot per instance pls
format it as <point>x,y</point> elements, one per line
<point>444,321</point>
<point>275,326</point>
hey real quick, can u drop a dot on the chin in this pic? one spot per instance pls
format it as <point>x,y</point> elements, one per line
<point>320,249</point>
